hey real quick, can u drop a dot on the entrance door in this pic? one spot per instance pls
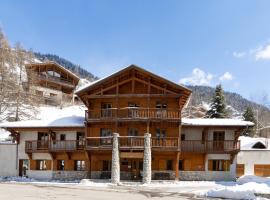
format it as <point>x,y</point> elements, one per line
<point>161,109</point>
<point>133,111</point>
<point>131,168</point>
<point>23,166</point>
<point>218,140</point>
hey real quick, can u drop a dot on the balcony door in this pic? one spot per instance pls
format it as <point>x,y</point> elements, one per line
<point>43,140</point>
<point>218,140</point>
<point>161,108</point>
<point>106,110</point>
<point>161,137</point>
<point>106,134</point>
<point>133,132</point>
<point>133,111</point>
<point>80,140</point>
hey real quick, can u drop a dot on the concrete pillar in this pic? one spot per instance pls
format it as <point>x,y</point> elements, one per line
<point>115,173</point>
<point>147,158</point>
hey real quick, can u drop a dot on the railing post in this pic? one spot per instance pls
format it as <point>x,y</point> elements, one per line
<point>115,173</point>
<point>147,158</point>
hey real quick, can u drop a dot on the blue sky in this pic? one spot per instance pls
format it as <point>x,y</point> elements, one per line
<point>192,42</point>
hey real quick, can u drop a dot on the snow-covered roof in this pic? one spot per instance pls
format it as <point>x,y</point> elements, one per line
<point>215,122</point>
<point>247,143</point>
<point>72,121</point>
<point>48,116</point>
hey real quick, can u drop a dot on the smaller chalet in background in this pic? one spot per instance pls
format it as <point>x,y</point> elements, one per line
<point>132,130</point>
<point>54,83</point>
<point>254,157</point>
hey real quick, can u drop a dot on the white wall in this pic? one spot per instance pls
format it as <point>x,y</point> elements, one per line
<point>195,133</point>
<point>250,158</point>
<point>8,165</point>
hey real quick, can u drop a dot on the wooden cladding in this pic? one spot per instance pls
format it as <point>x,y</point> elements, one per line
<point>130,113</point>
<point>133,142</point>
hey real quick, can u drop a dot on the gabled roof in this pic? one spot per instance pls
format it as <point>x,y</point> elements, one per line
<point>181,90</point>
<point>55,64</point>
<point>130,67</point>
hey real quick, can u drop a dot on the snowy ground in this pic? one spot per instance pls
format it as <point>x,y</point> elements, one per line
<point>247,187</point>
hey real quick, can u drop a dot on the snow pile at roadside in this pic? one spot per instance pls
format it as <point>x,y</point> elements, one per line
<point>245,188</point>
<point>96,183</point>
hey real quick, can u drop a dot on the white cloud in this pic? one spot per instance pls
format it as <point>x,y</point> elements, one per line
<point>239,54</point>
<point>227,76</point>
<point>198,77</point>
<point>263,53</point>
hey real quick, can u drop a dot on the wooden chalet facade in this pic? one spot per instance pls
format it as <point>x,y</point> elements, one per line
<point>130,108</point>
<point>54,83</point>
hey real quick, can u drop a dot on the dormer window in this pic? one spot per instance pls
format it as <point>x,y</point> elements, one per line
<point>259,145</point>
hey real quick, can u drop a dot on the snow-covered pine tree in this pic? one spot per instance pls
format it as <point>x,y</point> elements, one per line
<point>248,115</point>
<point>218,106</point>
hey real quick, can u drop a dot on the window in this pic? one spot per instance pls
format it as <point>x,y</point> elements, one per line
<point>183,137</point>
<point>181,165</point>
<point>169,165</point>
<point>106,165</point>
<point>105,133</point>
<point>62,137</point>
<point>259,145</point>
<point>53,95</point>
<point>41,165</point>
<point>106,110</point>
<point>39,93</point>
<point>160,133</point>
<point>43,136</point>
<point>60,165</point>
<point>218,165</point>
<point>133,111</point>
<point>79,165</point>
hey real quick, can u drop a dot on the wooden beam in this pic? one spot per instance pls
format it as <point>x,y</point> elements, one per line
<point>130,96</point>
<point>177,166</point>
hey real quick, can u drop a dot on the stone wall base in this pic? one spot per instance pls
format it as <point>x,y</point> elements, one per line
<point>206,176</point>
<point>70,175</point>
<point>163,175</point>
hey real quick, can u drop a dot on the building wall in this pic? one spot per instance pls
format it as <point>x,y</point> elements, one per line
<point>8,161</point>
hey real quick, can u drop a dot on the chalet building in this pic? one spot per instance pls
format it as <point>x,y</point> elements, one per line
<point>132,130</point>
<point>54,83</point>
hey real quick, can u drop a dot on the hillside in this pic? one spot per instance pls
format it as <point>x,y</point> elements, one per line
<point>67,64</point>
<point>202,96</point>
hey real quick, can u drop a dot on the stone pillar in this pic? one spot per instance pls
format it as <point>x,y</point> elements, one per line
<point>115,173</point>
<point>147,158</point>
<point>206,163</point>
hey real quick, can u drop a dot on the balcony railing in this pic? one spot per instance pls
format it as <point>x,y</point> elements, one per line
<point>210,146</point>
<point>54,146</point>
<point>133,142</point>
<point>56,79</point>
<point>165,142</point>
<point>132,113</point>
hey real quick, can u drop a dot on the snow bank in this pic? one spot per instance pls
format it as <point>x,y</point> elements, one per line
<point>230,193</point>
<point>254,179</point>
<point>96,183</point>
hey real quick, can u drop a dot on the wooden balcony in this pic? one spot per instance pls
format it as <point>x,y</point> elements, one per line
<point>133,143</point>
<point>36,146</point>
<point>131,113</point>
<point>57,80</point>
<point>210,146</point>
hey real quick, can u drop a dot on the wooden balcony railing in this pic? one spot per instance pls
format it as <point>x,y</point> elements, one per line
<point>133,142</point>
<point>98,143</point>
<point>57,80</point>
<point>165,143</point>
<point>132,113</point>
<point>54,146</point>
<point>210,146</point>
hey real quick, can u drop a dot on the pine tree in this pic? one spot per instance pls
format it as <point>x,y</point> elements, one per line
<point>218,107</point>
<point>248,115</point>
